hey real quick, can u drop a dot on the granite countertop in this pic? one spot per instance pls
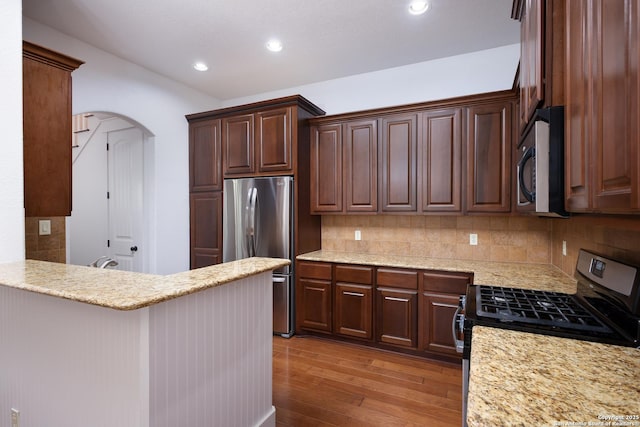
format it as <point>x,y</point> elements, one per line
<point>544,277</point>
<point>523,379</point>
<point>123,290</point>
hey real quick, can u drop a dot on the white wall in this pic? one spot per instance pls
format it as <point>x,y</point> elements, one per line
<point>107,83</point>
<point>478,72</point>
<point>11,197</point>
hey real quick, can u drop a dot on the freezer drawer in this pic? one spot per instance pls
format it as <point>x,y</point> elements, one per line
<point>282,299</point>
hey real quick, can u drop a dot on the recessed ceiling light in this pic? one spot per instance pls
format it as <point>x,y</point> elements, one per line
<point>274,45</point>
<point>418,7</point>
<point>200,66</point>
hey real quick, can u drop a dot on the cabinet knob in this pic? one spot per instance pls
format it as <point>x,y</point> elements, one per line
<point>134,249</point>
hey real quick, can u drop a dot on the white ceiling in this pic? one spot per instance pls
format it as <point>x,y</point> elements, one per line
<point>323,39</point>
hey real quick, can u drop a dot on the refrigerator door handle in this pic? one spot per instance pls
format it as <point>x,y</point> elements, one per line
<point>253,196</point>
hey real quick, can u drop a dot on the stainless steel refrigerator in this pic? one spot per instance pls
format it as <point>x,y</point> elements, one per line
<point>258,221</point>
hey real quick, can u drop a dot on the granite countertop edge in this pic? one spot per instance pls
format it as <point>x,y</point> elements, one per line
<point>545,277</point>
<point>122,290</point>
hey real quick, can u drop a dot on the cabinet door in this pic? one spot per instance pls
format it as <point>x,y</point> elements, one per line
<point>314,304</point>
<point>442,161</point>
<point>398,159</point>
<point>361,166</point>
<point>205,228</point>
<point>489,157</point>
<point>273,140</point>
<point>326,168</point>
<point>205,156</point>
<point>47,131</point>
<point>439,310</point>
<point>615,104</point>
<point>397,318</point>
<point>531,54</point>
<point>577,134</point>
<point>353,310</point>
<point>237,139</point>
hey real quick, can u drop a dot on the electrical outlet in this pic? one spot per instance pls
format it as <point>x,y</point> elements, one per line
<point>15,418</point>
<point>473,239</point>
<point>358,235</point>
<point>564,248</point>
<point>44,227</point>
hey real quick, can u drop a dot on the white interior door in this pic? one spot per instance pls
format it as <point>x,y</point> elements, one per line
<point>125,170</point>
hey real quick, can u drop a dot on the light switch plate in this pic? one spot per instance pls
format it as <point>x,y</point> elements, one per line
<point>473,239</point>
<point>564,248</point>
<point>44,227</point>
<point>358,235</point>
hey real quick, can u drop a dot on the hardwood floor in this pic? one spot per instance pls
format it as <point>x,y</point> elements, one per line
<point>318,382</point>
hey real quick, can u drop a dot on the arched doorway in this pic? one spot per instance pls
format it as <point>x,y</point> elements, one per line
<point>110,191</point>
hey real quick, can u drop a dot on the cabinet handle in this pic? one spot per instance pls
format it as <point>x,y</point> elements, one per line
<point>396,299</point>
<point>353,294</point>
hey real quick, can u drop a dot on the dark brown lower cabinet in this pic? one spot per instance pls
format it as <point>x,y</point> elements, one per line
<point>409,311</point>
<point>313,297</point>
<point>206,228</point>
<point>353,310</point>
<point>353,301</point>
<point>439,310</point>
<point>438,303</point>
<point>398,317</point>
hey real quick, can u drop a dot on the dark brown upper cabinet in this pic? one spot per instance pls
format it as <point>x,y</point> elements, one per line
<point>424,153</point>
<point>361,166</point>
<point>602,137</point>
<point>239,146</point>
<point>489,137</point>
<point>398,163</point>
<point>47,131</point>
<point>541,74</point>
<point>326,168</point>
<point>441,160</point>
<point>259,143</point>
<point>205,156</point>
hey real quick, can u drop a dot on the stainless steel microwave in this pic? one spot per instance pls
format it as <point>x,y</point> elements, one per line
<point>540,167</point>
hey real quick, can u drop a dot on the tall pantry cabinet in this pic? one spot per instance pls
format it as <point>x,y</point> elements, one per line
<point>268,138</point>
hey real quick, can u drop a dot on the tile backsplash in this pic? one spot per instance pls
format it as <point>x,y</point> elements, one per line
<point>617,237</point>
<point>49,247</point>
<point>500,238</point>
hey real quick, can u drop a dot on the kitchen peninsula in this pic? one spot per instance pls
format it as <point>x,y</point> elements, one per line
<point>85,346</point>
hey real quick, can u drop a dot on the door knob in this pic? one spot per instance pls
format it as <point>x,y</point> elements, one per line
<point>134,249</point>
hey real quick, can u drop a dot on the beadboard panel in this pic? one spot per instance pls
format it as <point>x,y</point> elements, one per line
<point>210,361</point>
<point>67,364</point>
<point>199,360</point>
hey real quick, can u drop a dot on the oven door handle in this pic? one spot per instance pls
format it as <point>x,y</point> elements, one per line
<point>457,325</point>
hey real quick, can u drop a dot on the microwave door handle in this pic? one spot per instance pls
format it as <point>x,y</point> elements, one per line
<point>528,156</point>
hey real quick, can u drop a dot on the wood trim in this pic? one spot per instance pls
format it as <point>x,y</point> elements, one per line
<point>46,56</point>
<point>295,100</point>
<point>462,101</point>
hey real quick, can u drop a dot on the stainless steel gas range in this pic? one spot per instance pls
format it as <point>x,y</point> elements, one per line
<point>605,309</point>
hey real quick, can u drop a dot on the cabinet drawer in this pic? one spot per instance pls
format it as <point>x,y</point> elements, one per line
<point>394,278</point>
<point>354,274</point>
<point>314,270</point>
<point>450,283</point>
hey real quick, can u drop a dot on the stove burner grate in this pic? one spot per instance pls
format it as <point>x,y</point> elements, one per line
<point>536,307</point>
